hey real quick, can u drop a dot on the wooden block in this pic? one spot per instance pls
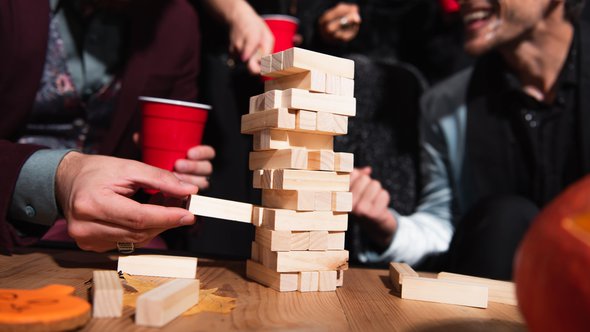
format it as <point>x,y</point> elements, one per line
<point>305,100</point>
<point>273,139</point>
<point>323,201</point>
<point>445,291</point>
<point>159,306</point>
<point>282,282</point>
<point>107,294</point>
<point>288,179</point>
<point>346,87</point>
<point>328,280</point>
<point>309,281</point>
<point>279,118</point>
<point>159,266</point>
<point>277,61</point>
<point>273,240</point>
<point>304,261</point>
<point>257,216</point>
<point>332,123</point>
<point>336,240</point>
<point>343,162</point>
<point>266,64</point>
<point>399,271</point>
<point>288,220</point>
<point>257,178</point>
<point>300,241</point>
<point>318,240</point>
<point>321,160</point>
<point>255,252</point>
<point>306,120</point>
<point>340,278</point>
<point>220,208</point>
<point>299,200</point>
<point>333,84</point>
<point>313,80</point>
<point>499,291</point>
<point>342,201</point>
<point>288,158</point>
<point>266,101</point>
<point>298,60</point>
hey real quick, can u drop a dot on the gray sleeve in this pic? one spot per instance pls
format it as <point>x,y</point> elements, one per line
<point>33,199</point>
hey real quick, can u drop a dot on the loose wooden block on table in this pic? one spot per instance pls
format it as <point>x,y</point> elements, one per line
<point>297,60</point>
<point>274,139</point>
<point>280,118</point>
<point>309,281</point>
<point>499,291</point>
<point>288,220</point>
<point>159,266</point>
<point>107,294</point>
<point>282,282</point>
<point>313,80</point>
<point>328,281</point>
<point>161,305</point>
<point>220,208</point>
<point>287,158</point>
<point>301,261</point>
<point>444,291</point>
<point>399,271</point>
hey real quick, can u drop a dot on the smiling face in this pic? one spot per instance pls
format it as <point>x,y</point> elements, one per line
<point>492,23</point>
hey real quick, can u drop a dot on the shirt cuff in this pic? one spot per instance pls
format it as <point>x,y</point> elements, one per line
<point>33,199</point>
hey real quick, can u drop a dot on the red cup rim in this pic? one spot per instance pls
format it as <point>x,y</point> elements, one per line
<point>281,17</point>
<point>175,102</point>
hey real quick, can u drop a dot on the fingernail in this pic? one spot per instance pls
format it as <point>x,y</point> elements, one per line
<point>186,220</point>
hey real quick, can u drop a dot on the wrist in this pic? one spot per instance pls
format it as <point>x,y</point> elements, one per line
<point>64,175</point>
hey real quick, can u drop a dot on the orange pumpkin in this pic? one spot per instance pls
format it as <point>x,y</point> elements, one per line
<point>552,267</point>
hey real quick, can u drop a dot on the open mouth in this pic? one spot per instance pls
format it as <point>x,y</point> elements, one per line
<point>476,19</point>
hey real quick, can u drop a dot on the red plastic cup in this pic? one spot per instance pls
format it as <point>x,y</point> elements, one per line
<point>283,28</point>
<point>449,6</point>
<point>169,129</point>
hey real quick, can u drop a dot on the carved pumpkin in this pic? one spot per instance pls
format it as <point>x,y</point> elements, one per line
<point>552,267</point>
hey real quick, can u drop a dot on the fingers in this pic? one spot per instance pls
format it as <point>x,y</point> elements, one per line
<point>125,212</point>
<point>155,178</point>
<point>100,237</point>
<point>201,152</point>
<point>190,167</point>
<point>200,181</point>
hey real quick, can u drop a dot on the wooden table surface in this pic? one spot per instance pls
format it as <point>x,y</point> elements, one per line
<point>365,303</point>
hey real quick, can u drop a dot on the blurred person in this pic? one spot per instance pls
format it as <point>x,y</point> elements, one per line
<point>71,75</point>
<point>498,140</point>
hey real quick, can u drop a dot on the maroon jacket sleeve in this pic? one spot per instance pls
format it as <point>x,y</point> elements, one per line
<point>12,158</point>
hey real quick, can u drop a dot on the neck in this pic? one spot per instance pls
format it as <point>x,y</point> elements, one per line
<point>538,58</point>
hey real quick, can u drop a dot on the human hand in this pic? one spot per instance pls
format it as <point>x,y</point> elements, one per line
<point>340,23</point>
<point>93,193</point>
<point>197,168</point>
<point>370,203</point>
<point>250,37</point>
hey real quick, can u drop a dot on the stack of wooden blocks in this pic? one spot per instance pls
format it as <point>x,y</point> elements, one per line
<point>299,243</point>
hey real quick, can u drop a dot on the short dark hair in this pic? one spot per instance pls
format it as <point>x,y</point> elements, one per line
<point>573,9</point>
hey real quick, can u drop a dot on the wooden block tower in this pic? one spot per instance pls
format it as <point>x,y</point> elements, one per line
<point>299,243</point>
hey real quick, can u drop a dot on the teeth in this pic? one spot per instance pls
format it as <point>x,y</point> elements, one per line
<point>473,16</point>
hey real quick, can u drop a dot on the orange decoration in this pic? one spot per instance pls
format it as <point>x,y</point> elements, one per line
<point>553,263</point>
<point>50,308</point>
